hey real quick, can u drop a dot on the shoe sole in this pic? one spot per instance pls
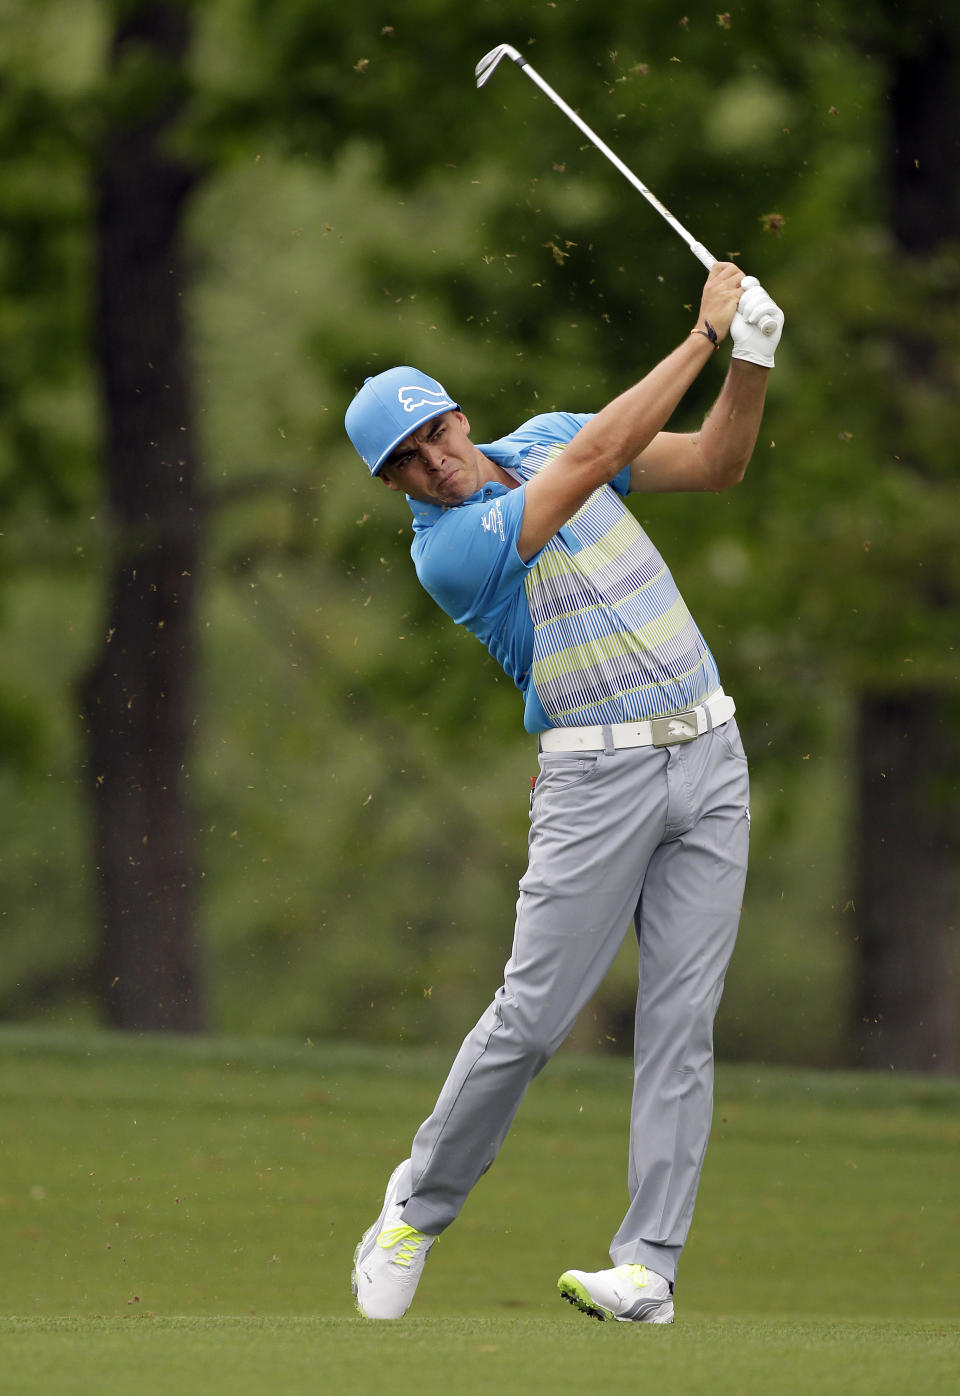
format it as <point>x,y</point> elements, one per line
<point>374,1231</point>
<point>579,1296</point>
<point>575,1293</point>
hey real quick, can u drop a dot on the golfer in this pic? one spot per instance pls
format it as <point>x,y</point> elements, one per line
<point>641,809</point>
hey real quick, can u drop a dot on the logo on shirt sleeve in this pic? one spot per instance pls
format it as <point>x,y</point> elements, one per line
<point>492,521</point>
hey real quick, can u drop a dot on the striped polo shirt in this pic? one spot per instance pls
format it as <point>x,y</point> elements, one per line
<point>592,629</point>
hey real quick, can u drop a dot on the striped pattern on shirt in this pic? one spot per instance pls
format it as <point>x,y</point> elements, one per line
<point>613,639</point>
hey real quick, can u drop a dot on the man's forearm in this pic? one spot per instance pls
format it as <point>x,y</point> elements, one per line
<point>729,433</point>
<point>622,429</point>
<point>607,443</point>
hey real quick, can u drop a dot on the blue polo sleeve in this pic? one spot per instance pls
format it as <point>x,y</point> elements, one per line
<point>468,561</point>
<point>562,427</point>
<point>621,481</point>
<point>469,564</point>
<point>556,428</point>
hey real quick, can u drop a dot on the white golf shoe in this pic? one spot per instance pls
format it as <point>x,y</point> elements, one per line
<point>389,1260</point>
<point>628,1293</point>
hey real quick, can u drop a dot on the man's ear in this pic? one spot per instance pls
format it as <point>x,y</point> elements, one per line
<point>390,484</point>
<point>463,421</point>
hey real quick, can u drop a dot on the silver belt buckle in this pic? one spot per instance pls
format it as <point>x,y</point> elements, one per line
<point>671,731</point>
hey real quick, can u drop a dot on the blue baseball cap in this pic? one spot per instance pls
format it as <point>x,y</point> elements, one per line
<point>389,407</point>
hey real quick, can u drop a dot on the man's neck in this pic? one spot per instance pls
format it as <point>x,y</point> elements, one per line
<point>493,474</point>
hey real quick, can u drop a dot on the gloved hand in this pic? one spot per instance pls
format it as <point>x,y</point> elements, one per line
<point>749,341</point>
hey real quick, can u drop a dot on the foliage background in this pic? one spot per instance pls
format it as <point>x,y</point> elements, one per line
<point>360,775</point>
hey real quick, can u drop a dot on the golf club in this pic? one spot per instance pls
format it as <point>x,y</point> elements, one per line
<point>484,71</point>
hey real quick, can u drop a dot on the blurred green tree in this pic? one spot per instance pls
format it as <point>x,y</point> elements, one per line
<point>361,204</point>
<point>908,749</point>
<point>790,112</point>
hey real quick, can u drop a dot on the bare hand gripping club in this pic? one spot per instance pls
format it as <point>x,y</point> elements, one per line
<point>484,70</point>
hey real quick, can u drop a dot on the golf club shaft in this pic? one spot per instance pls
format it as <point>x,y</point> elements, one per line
<point>486,66</point>
<point>697,248</point>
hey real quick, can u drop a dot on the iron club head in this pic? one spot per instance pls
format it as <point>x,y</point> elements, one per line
<point>490,60</point>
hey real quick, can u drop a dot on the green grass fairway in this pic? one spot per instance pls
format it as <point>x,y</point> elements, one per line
<point>180,1216</point>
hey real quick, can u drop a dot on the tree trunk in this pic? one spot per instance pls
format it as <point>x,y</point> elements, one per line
<point>907,889</point>
<point>907,900</point>
<point>138,698</point>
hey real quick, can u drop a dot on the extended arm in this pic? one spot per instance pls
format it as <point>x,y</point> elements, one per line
<point>626,427</point>
<point>716,456</point>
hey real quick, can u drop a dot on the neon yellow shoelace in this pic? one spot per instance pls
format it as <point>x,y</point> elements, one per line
<point>638,1274</point>
<point>405,1238</point>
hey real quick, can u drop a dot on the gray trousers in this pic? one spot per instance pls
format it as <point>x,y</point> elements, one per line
<point>657,835</point>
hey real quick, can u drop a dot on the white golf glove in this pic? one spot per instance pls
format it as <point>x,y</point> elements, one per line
<point>749,341</point>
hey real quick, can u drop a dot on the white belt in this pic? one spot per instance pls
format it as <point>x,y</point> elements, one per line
<point>658,731</point>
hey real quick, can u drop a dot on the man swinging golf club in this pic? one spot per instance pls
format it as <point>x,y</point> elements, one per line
<point>641,808</point>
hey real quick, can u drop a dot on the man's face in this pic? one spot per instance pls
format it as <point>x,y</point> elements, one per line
<point>437,463</point>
